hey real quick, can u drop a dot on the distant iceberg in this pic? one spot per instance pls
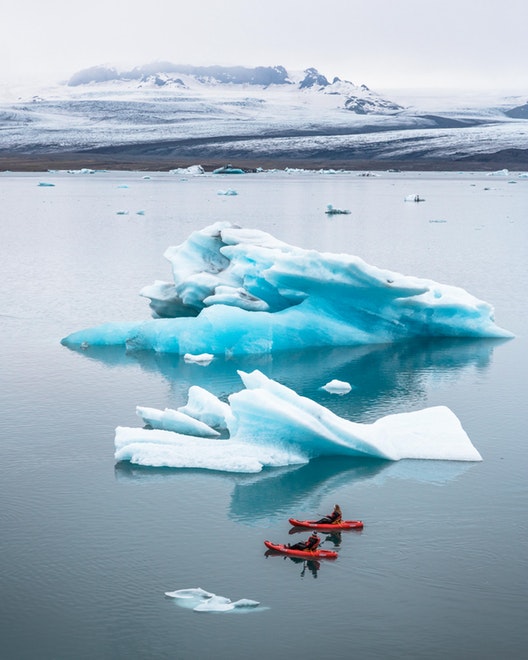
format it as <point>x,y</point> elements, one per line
<point>228,169</point>
<point>195,170</point>
<point>242,291</point>
<point>330,210</point>
<point>270,425</point>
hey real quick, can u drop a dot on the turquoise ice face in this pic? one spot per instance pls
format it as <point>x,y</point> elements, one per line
<point>241,291</point>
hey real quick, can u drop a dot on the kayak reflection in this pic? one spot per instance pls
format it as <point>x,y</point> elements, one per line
<point>313,565</point>
<point>331,537</point>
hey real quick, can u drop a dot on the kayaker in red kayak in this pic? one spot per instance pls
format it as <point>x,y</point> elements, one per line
<point>332,518</point>
<point>311,544</point>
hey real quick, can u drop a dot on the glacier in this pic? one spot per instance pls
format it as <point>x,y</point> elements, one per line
<point>270,425</point>
<point>181,116</point>
<point>239,291</point>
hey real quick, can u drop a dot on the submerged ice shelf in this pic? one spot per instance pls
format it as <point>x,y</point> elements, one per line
<point>270,425</point>
<point>242,291</point>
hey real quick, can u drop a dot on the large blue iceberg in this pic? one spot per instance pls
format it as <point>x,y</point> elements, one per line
<point>269,425</point>
<point>239,291</point>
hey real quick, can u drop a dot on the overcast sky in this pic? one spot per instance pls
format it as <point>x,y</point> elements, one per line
<point>386,44</point>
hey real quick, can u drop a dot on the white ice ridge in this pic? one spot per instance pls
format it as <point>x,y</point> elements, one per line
<point>199,600</point>
<point>238,291</point>
<point>270,425</point>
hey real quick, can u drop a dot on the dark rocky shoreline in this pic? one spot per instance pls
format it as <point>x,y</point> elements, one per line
<point>145,157</point>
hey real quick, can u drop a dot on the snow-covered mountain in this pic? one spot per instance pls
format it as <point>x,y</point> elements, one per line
<point>164,114</point>
<point>358,99</point>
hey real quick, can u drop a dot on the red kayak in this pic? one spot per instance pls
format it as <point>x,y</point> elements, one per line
<point>327,527</point>
<point>305,554</point>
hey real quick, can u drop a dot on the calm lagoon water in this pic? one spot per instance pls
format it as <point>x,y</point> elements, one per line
<point>88,547</point>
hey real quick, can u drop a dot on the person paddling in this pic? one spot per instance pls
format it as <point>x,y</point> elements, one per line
<point>332,518</point>
<point>311,544</point>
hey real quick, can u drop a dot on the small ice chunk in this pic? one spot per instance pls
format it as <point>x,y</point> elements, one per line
<point>337,387</point>
<point>195,170</point>
<point>121,212</point>
<point>503,172</point>
<point>200,600</point>
<point>46,184</point>
<point>414,197</point>
<point>203,359</point>
<point>229,192</point>
<point>330,210</point>
<point>246,602</point>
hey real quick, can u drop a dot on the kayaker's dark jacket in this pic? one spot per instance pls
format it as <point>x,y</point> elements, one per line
<point>335,517</point>
<point>313,542</point>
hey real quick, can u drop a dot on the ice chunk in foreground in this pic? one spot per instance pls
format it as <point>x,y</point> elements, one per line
<point>239,291</point>
<point>270,425</point>
<point>200,600</point>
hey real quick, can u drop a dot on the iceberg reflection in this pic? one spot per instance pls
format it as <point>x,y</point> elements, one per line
<point>383,377</point>
<point>273,494</point>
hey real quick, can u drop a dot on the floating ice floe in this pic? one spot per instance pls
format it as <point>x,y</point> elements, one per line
<point>337,387</point>
<point>195,170</point>
<point>242,291</point>
<point>414,197</point>
<point>200,600</point>
<point>46,184</point>
<point>203,359</point>
<point>121,212</point>
<point>270,425</point>
<point>229,192</point>
<point>228,169</point>
<point>330,210</point>
<point>503,172</point>
<point>83,170</point>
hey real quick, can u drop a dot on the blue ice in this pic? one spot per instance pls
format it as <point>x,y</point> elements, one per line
<point>270,425</point>
<point>242,291</point>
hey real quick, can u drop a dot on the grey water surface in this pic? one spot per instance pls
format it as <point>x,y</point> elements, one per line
<point>88,548</point>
